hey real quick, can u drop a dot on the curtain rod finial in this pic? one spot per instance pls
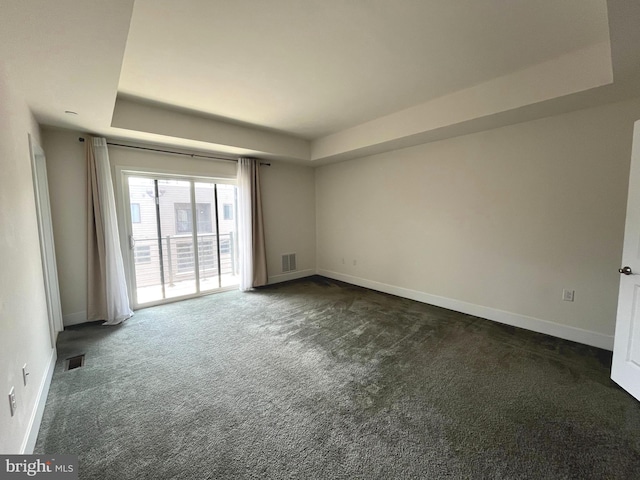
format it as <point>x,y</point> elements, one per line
<point>80,139</point>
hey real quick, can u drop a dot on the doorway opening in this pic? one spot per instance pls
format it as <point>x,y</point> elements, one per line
<point>47,246</point>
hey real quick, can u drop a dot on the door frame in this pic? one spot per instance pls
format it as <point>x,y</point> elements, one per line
<point>125,225</point>
<point>46,240</point>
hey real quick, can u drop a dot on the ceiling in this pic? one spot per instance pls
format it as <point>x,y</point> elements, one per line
<point>315,67</point>
<point>314,80</point>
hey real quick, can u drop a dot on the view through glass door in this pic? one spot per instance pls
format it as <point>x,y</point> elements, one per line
<point>183,237</point>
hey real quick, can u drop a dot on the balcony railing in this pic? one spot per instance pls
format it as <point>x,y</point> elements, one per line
<point>179,258</point>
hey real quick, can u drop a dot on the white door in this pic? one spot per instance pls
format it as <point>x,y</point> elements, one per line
<point>47,247</point>
<point>625,370</point>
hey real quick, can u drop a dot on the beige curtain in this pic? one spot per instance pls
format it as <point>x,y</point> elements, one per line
<point>253,259</point>
<point>257,227</point>
<point>107,296</point>
<point>96,276</point>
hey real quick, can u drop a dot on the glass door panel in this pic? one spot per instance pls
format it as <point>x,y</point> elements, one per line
<point>145,253</point>
<point>183,237</point>
<point>207,225</point>
<point>228,228</point>
<point>176,224</point>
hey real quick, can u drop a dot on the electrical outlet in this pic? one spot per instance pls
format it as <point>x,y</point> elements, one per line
<point>25,374</point>
<point>355,263</point>
<point>567,295</point>
<point>12,401</point>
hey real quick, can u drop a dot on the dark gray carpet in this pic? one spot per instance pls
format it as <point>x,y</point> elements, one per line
<point>318,379</point>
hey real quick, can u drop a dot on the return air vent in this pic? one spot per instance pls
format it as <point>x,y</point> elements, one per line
<point>289,262</point>
<point>74,362</point>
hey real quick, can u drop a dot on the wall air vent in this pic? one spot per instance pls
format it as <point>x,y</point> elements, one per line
<point>289,262</point>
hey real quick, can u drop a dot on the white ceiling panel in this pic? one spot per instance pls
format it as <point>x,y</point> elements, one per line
<point>314,67</point>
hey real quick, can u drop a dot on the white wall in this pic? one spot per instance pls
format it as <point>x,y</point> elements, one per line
<point>67,174</point>
<point>178,126</point>
<point>288,203</point>
<point>495,223</point>
<point>288,200</point>
<point>24,328</point>
<point>154,161</point>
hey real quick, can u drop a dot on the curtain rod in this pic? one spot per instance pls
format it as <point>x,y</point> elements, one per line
<point>192,155</point>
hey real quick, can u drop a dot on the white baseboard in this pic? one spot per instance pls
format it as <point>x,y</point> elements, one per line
<point>29,442</point>
<point>284,277</point>
<point>74,318</point>
<point>567,332</point>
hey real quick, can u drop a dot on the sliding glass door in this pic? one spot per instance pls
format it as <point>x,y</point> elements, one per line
<point>182,236</point>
